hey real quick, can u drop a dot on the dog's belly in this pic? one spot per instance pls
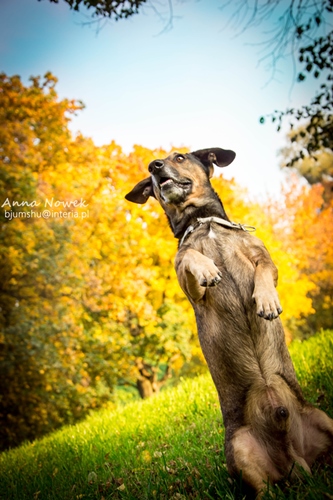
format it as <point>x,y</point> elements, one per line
<point>241,348</point>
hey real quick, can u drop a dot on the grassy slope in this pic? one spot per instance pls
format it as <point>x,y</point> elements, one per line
<point>170,446</point>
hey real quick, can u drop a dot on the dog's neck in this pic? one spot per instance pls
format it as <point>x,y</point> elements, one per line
<point>181,219</point>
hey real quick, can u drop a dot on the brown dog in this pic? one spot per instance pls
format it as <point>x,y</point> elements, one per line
<point>229,278</point>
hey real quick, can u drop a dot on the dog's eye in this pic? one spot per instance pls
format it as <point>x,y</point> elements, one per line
<point>180,158</point>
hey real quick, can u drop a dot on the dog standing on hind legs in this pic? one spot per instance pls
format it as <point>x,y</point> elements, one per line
<point>230,279</point>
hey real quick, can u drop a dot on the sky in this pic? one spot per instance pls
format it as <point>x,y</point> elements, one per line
<point>198,84</point>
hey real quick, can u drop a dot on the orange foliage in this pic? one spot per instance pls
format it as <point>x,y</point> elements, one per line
<point>84,297</point>
<point>310,239</point>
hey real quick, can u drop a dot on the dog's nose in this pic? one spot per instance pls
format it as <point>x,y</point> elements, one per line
<point>155,165</point>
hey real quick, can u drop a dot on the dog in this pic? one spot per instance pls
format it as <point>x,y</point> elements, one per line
<point>271,432</point>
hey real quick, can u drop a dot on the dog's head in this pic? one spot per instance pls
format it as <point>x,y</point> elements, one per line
<point>179,178</point>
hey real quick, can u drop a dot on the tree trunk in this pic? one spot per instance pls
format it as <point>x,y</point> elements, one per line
<point>147,382</point>
<point>145,388</point>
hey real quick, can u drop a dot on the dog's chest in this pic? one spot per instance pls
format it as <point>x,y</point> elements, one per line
<point>212,234</point>
<point>226,249</point>
<point>226,246</point>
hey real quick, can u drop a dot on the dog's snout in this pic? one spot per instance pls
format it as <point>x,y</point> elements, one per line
<point>155,165</point>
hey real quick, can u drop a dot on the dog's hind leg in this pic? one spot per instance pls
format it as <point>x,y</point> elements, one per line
<point>317,432</point>
<point>261,464</point>
<point>252,460</point>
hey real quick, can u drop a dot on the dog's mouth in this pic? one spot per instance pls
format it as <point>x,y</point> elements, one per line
<point>165,182</point>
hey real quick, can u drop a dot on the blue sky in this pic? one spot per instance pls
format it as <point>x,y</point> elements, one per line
<point>197,85</point>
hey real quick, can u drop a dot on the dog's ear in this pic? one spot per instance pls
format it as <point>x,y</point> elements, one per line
<point>221,157</point>
<point>141,192</point>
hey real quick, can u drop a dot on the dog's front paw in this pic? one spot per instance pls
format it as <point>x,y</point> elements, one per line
<point>207,275</point>
<point>211,280</point>
<point>267,304</point>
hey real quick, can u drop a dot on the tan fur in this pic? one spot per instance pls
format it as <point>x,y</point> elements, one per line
<point>230,279</point>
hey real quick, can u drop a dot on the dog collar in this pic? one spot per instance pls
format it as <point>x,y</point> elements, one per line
<point>217,220</point>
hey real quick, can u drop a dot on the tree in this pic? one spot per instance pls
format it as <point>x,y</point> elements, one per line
<point>311,224</point>
<point>81,299</point>
<point>113,9</point>
<point>43,373</point>
<point>158,349</point>
<point>303,28</point>
<point>316,170</point>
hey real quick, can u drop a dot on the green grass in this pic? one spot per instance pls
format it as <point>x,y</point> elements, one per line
<point>168,447</point>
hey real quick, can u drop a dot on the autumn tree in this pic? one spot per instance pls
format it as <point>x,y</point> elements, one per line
<point>310,235</point>
<point>41,363</point>
<point>310,206</point>
<point>136,266</point>
<point>82,299</point>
